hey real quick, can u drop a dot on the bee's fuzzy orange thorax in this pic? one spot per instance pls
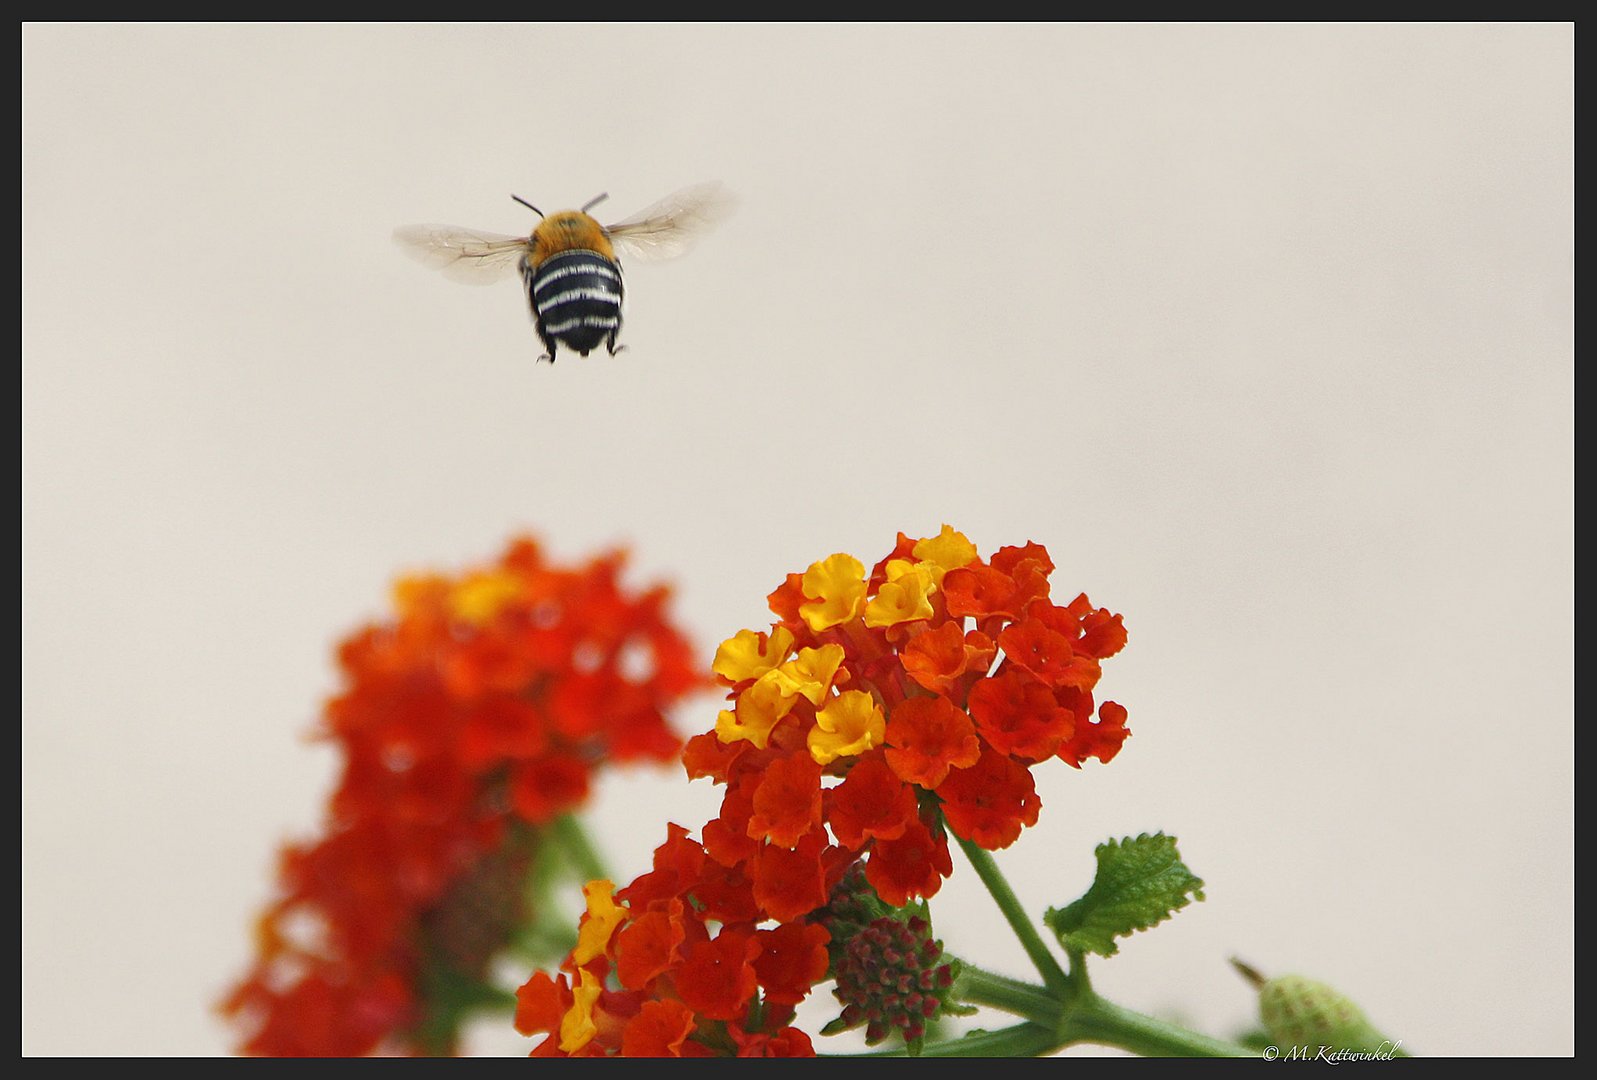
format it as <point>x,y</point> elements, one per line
<point>569,230</point>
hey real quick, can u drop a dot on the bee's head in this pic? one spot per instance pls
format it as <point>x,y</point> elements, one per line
<point>566,230</point>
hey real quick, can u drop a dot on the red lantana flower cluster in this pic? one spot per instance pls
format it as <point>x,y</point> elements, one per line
<point>467,724</point>
<point>878,710</point>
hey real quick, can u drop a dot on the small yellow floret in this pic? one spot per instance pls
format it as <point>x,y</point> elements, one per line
<point>758,710</point>
<point>904,596</point>
<point>850,725</point>
<point>750,654</point>
<point>948,550</point>
<point>810,673</point>
<point>480,597</point>
<point>604,915</point>
<point>577,1028</point>
<point>836,588</point>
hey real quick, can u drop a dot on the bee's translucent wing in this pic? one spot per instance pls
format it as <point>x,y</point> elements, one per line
<point>674,224</point>
<point>476,258</point>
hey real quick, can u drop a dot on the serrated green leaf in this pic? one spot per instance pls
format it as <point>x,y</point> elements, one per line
<point>1140,883</point>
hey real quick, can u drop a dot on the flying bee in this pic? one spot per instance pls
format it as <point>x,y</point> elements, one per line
<point>570,264</point>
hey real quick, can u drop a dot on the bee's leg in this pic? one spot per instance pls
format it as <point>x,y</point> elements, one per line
<point>548,343</point>
<point>610,342</point>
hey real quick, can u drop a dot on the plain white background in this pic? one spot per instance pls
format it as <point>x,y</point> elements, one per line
<point>1266,331</point>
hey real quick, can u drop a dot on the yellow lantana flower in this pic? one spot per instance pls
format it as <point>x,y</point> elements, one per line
<point>758,710</point>
<point>948,550</point>
<point>836,588</point>
<point>810,673</point>
<point>850,725</point>
<point>480,597</point>
<point>904,596</point>
<point>577,1028</point>
<point>750,654</point>
<point>604,915</point>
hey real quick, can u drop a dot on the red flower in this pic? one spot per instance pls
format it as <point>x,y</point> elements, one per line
<point>1021,562</point>
<point>991,801</point>
<point>539,790</point>
<point>790,1042</point>
<point>912,865</point>
<point>540,1003</point>
<point>789,884</point>
<point>707,756</point>
<point>941,657</point>
<point>322,1014</point>
<point>787,801</point>
<point>650,945</point>
<point>729,838</point>
<point>792,959</point>
<point>677,865</point>
<point>870,804</point>
<point>926,737</point>
<point>980,591</point>
<point>1102,634</point>
<point>660,1029</point>
<point>726,895</point>
<point>1101,740</point>
<point>1044,652</point>
<point>1018,715</point>
<point>716,979</point>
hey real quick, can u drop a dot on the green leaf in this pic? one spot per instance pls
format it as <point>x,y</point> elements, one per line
<point>1141,882</point>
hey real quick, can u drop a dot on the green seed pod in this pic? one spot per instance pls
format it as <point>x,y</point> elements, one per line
<point>1302,1012</point>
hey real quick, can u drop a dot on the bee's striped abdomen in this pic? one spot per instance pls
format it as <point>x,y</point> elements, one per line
<point>576,300</point>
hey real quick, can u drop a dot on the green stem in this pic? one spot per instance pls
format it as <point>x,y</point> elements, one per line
<point>1055,1021</point>
<point>1080,981</point>
<point>986,869</point>
<point>977,986</point>
<point>1021,1040</point>
<point>1082,1016</point>
<point>568,833</point>
<point>1092,1019</point>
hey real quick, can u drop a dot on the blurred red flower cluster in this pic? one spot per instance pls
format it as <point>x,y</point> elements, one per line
<point>467,724</point>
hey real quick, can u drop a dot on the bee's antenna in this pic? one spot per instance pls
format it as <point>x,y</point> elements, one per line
<point>595,201</point>
<point>527,204</point>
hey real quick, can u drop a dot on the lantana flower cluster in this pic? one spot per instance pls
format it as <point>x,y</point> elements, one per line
<point>880,711</point>
<point>467,723</point>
